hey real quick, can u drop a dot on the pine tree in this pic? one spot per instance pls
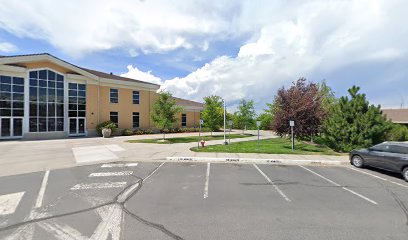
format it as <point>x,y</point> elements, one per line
<point>354,123</point>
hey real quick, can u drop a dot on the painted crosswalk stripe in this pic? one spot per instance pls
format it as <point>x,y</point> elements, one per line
<point>111,174</point>
<point>82,186</point>
<point>41,193</point>
<point>112,165</point>
<point>9,202</point>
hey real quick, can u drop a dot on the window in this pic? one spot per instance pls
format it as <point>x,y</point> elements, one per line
<point>136,120</point>
<point>399,149</point>
<point>114,117</point>
<point>136,97</point>
<point>46,96</point>
<point>184,120</point>
<point>114,95</point>
<point>382,147</point>
<point>11,96</point>
<point>76,100</point>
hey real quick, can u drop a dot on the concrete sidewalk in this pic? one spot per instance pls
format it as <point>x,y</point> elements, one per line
<point>30,156</point>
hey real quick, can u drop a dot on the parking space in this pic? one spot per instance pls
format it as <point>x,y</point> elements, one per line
<point>208,201</point>
<point>257,201</point>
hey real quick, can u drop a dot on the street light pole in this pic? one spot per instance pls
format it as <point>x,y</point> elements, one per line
<point>225,140</point>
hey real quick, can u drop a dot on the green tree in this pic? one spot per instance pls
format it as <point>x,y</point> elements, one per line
<point>397,132</point>
<point>266,117</point>
<point>245,116</point>
<point>327,96</point>
<point>164,111</point>
<point>354,123</point>
<point>213,113</point>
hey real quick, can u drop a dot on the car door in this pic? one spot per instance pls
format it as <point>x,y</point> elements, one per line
<point>397,154</point>
<point>376,155</point>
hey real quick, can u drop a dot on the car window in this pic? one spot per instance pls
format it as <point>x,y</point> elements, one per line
<point>381,147</point>
<point>398,149</point>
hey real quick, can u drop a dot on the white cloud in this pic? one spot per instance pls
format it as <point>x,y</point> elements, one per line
<point>315,39</point>
<point>284,39</point>
<point>135,73</point>
<point>144,26</point>
<point>6,47</point>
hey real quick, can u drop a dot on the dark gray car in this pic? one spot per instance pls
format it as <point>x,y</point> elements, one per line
<point>390,156</point>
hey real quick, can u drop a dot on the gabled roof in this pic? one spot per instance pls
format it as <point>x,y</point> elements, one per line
<point>396,115</point>
<point>115,77</point>
<point>81,70</point>
<point>189,103</point>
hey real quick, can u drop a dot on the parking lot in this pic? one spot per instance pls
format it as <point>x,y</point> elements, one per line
<point>162,200</point>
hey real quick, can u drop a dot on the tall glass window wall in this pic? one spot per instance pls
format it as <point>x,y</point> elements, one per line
<point>46,101</point>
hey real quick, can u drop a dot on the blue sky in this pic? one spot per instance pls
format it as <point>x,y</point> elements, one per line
<point>235,49</point>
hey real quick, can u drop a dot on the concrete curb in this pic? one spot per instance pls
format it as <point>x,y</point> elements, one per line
<point>259,161</point>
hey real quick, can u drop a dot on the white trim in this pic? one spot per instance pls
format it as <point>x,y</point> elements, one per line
<point>26,120</point>
<point>191,108</point>
<point>52,59</point>
<point>15,69</point>
<point>124,84</point>
<point>45,57</point>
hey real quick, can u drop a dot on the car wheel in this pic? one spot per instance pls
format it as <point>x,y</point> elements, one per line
<point>405,173</point>
<point>357,161</point>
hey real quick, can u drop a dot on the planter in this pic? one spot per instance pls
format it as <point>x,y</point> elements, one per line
<point>106,132</point>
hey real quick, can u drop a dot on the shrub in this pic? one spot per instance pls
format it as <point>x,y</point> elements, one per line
<point>127,132</point>
<point>108,124</point>
<point>398,133</point>
<point>148,131</point>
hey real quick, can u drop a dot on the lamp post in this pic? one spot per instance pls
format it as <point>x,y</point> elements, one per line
<point>225,139</point>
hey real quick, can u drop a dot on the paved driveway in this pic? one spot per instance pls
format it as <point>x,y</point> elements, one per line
<point>204,201</point>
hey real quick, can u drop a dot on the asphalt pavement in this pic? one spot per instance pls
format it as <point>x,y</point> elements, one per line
<point>162,200</point>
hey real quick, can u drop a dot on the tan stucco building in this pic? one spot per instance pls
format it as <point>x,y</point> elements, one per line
<point>42,96</point>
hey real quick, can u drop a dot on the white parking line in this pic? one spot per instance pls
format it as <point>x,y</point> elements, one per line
<point>154,171</point>
<point>378,177</point>
<point>344,188</point>
<point>111,165</point>
<point>272,183</point>
<point>207,179</point>
<point>111,174</point>
<point>41,193</point>
<point>82,186</point>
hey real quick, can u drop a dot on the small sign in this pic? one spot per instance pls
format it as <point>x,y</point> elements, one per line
<point>201,121</point>
<point>258,123</point>
<point>230,122</point>
<point>291,123</point>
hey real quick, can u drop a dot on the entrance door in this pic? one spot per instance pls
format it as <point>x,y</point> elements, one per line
<point>11,127</point>
<point>77,126</point>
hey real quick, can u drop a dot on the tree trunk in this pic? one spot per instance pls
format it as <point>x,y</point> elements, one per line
<point>164,135</point>
<point>211,133</point>
<point>311,137</point>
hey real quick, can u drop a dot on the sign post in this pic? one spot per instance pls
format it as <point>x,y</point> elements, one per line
<point>199,134</point>
<point>292,124</point>
<point>258,123</point>
<point>229,134</point>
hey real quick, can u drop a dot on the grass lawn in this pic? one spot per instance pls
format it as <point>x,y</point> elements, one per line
<point>273,146</point>
<point>188,139</point>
